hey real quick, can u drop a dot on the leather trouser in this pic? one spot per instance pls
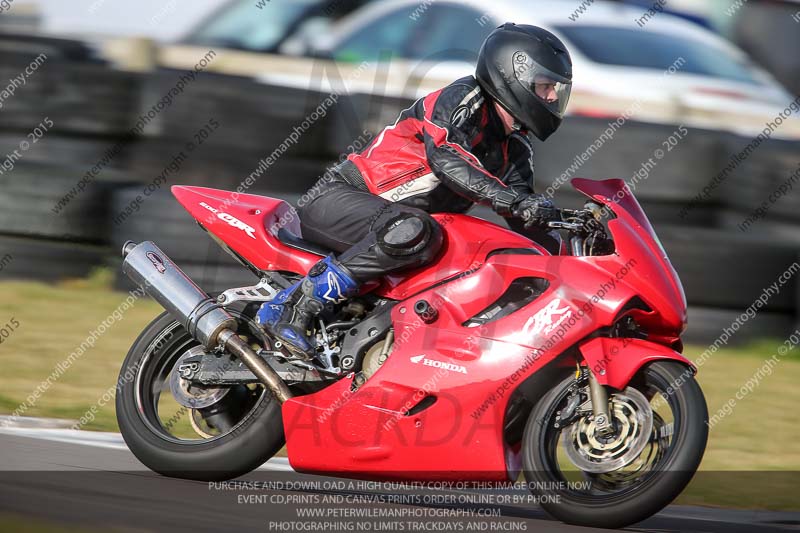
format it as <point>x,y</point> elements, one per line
<point>358,226</point>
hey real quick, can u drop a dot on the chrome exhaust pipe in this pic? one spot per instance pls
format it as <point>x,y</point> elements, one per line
<point>203,317</point>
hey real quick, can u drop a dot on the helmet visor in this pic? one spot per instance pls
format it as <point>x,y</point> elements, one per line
<point>549,88</point>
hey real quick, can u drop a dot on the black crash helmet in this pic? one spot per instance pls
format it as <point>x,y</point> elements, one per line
<point>528,70</point>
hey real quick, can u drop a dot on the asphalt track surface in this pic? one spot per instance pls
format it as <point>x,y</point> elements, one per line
<point>91,481</point>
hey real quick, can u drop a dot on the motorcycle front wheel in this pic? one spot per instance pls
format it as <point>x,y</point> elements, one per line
<point>585,478</point>
<point>232,430</point>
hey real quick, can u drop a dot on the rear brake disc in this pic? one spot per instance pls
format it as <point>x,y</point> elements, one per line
<point>188,394</point>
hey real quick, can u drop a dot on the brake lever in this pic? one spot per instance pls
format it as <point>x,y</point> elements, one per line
<point>557,224</point>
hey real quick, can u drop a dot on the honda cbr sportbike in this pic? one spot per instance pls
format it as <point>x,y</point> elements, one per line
<point>498,359</point>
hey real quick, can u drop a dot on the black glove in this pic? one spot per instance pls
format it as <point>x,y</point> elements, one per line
<point>535,209</point>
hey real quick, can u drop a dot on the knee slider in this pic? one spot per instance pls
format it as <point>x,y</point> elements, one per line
<point>407,234</point>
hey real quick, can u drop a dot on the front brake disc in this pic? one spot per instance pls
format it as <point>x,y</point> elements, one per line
<point>633,425</point>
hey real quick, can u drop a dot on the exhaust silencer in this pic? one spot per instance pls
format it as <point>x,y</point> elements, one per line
<point>150,268</point>
<point>203,317</point>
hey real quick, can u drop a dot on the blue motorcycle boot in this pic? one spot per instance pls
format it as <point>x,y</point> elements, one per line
<point>288,316</point>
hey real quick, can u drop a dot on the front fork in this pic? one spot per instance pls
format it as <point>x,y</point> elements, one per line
<point>597,392</point>
<point>599,396</point>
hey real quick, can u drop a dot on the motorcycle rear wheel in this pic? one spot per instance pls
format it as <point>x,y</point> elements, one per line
<point>627,496</point>
<point>167,437</point>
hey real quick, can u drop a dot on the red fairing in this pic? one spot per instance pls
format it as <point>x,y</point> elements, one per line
<point>436,408</point>
<point>247,224</point>
<point>468,371</point>
<point>467,242</point>
<point>635,239</point>
<point>615,361</point>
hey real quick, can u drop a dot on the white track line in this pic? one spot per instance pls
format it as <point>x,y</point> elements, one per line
<point>111,441</point>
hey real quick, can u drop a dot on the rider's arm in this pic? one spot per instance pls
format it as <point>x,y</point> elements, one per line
<point>519,175</point>
<point>539,210</point>
<point>448,150</point>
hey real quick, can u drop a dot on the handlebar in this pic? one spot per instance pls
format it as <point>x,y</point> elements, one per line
<point>585,228</point>
<point>585,221</point>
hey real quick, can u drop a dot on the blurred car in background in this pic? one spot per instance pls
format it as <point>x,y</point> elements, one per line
<point>670,71</point>
<point>271,26</point>
<point>697,11</point>
<point>618,65</point>
<point>97,20</point>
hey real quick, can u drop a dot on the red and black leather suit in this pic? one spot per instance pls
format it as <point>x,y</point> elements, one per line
<point>445,153</point>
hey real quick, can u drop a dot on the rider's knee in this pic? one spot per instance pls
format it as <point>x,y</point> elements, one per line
<point>415,235</point>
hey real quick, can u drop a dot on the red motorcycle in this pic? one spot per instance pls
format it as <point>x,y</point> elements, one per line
<point>498,359</point>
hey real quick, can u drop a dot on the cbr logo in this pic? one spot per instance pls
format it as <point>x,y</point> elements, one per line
<point>543,322</point>
<point>236,223</point>
<point>231,220</point>
<point>439,364</point>
<point>157,262</point>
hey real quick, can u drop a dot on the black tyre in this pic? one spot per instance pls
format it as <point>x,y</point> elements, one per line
<point>706,325</point>
<point>677,177</point>
<point>673,446</point>
<point>237,433</point>
<point>80,98</point>
<point>710,262</point>
<point>44,201</point>
<point>770,166</point>
<point>773,229</point>
<point>240,104</point>
<point>47,260</point>
<point>78,153</point>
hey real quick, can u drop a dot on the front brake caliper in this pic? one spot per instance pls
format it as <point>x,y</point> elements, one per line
<point>569,413</point>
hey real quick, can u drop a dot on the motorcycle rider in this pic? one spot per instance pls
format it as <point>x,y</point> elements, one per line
<point>464,144</point>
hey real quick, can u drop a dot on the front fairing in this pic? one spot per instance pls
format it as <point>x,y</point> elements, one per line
<point>652,274</point>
